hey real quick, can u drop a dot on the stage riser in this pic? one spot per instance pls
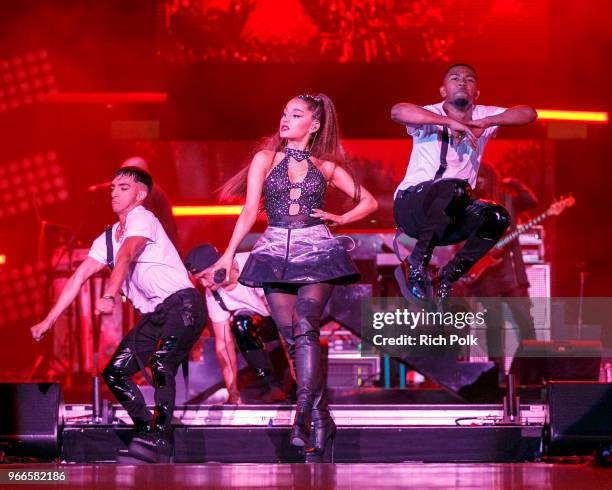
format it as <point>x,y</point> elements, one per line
<point>353,445</point>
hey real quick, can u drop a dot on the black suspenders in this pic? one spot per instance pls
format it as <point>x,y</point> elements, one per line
<point>443,152</point>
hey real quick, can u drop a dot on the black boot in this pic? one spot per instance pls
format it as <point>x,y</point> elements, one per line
<point>323,432</point>
<point>155,445</point>
<point>300,430</point>
<point>450,274</point>
<point>141,427</point>
<point>307,356</point>
<point>415,280</point>
<point>308,370</point>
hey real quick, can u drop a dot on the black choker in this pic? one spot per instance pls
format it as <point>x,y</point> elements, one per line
<point>297,155</point>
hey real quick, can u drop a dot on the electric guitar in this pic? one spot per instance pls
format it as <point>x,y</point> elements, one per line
<point>494,257</point>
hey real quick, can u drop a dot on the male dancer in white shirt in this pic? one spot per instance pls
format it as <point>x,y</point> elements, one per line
<point>148,270</point>
<point>237,313</point>
<point>433,203</point>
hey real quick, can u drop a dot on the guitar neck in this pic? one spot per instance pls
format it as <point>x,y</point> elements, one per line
<point>521,229</point>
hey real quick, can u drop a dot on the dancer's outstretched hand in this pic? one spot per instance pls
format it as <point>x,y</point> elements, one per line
<point>40,329</point>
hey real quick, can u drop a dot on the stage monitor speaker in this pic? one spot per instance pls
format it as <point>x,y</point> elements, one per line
<point>30,419</point>
<point>580,417</point>
<point>539,361</point>
<point>539,287</point>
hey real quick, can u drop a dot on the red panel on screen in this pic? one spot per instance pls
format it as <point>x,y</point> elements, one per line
<point>360,31</point>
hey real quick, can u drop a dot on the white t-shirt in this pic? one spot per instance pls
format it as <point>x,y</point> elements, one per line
<point>157,272</point>
<point>463,161</point>
<point>239,298</point>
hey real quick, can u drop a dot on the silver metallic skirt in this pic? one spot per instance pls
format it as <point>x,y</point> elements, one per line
<point>298,253</point>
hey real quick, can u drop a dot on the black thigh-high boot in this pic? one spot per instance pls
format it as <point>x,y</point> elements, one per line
<point>117,375</point>
<point>308,367</point>
<point>157,445</point>
<point>323,430</point>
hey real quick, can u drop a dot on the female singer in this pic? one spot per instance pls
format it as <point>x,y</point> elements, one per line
<point>297,260</point>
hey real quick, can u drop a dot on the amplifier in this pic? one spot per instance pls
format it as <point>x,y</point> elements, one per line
<point>538,362</point>
<point>532,245</point>
<point>351,370</point>
<point>579,417</point>
<point>30,420</point>
<point>539,280</point>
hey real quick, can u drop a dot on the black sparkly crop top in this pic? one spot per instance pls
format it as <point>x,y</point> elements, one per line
<point>277,188</point>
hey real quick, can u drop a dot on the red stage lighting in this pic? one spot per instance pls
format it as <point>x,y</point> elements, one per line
<point>20,289</point>
<point>38,177</point>
<point>25,79</point>
<point>108,97</point>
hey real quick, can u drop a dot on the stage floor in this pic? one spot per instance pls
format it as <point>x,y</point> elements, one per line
<point>329,476</point>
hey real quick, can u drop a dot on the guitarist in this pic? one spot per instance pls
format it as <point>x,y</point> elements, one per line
<point>508,279</point>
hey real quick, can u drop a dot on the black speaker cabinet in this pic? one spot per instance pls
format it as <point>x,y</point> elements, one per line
<point>580,417</point>
<point>30,419</point>
<point>538,361</point>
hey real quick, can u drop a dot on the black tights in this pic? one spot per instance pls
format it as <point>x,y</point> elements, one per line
<point>297,310</point>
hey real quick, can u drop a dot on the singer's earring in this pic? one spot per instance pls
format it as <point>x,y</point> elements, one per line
<point>313,140</point>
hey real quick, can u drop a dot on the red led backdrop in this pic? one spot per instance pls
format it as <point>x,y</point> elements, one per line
<point>357,31</point>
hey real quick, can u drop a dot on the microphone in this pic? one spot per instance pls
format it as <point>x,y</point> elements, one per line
<point>219,276</point>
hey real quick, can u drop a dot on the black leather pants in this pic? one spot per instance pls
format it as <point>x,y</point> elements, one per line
<point>246,326</point>
<point>163,338</point>
<point>442,212</point>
